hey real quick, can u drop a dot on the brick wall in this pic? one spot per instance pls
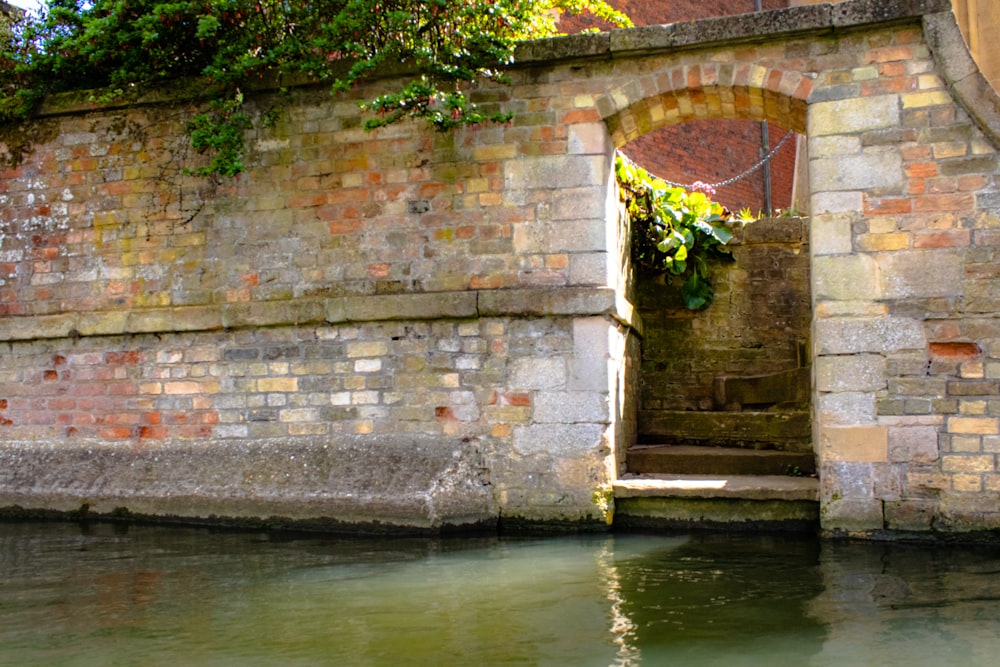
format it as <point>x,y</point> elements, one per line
<point>394,324</point>
<point>758,324</point>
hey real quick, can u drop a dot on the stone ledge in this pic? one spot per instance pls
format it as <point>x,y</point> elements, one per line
<point>350,481</point>
<point>528,302</point>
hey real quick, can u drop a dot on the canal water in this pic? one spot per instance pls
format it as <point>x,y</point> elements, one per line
<point>139,595</point>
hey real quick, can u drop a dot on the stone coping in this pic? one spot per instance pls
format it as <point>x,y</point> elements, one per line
<point>742,27</point>
<point>961,73</point>
<point>527,302</point>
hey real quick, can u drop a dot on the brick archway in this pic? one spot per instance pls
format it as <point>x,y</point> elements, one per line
<point>684,93</point>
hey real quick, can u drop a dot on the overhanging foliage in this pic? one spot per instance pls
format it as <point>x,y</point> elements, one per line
<point>125,48</point>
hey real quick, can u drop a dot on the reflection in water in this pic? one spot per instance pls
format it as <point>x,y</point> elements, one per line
<point>157,596</point>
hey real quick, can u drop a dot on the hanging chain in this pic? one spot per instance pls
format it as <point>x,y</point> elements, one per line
<point>729,181</point>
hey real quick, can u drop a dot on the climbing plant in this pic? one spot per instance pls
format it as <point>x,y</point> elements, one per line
<point>675,231</point>
<point>123,49</point>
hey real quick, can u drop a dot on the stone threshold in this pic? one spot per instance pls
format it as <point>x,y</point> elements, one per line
<point>743,487</point>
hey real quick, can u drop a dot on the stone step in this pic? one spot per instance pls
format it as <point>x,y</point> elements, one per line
<point>784,430</point>
<point>730,502</point>
<point>703,460</point>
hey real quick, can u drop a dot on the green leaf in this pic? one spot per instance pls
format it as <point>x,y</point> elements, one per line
<point>697,292</point>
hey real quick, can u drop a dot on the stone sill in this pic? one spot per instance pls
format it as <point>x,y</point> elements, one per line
<point>529,302</point>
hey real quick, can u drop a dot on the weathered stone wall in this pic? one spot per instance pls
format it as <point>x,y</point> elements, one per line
<point>907,296</point>
<point>401,327</point>
<point>441,325</point>
<point>759,323</point>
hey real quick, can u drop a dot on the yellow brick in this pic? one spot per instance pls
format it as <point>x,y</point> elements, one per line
<point>973,407</point>
<point>897,241</point>
<point>950,149</point>
<point>966,443</point>
<point>367,349</point>
<point>183,387</point>
<point>972,369</point>
<point>278,384</point>
<point>974,425</point>
<point>967,483</point>
<point>929,82</point>
<point>308,429</point>
<point>352,180</point>
<point>928,99</point>
<point>102,219</point>
<point>967,463</point>
<point>930,481</point>
<point>882,224</point>
<point>490,153</point>
<point>859,444</point>
<point>477,185</point>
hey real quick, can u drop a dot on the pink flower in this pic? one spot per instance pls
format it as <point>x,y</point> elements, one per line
<point>703,187</point>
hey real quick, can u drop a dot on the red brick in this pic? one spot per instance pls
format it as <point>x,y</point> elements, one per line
<point>948,238</point>
<point>888,206</point>
<point>956,202</point>
<point>954,350</point>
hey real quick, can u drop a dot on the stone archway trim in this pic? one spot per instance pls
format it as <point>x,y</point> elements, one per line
<point>965,81</point>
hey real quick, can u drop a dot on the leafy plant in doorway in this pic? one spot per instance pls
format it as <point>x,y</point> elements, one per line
<point>675,231</point>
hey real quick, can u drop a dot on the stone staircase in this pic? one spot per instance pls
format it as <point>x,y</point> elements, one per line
<point>728,469</point>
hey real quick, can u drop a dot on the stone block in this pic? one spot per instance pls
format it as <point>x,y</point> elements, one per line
<point>974,425</point>
<point>834,145</point>
<point>538,373</point>
<point>865,372</point>
<point>590,268</point>
<point>854,444</point>
<point>546,301</point>
<point>913,444</point>
<point>853,115</point>
<point>846,408</point>
<point>852,515</point>
<point>575,204</point>
<point>873,168</point>
<point>556,172</point>
<point>571,407</point>
<point>905,275</point>
<point>589,368</point>
<point>106,323</point>
<point>968,463</point>
<point>832,232</point>
<point>846,278</point>
<point>559,440</point>
<point>589,138</point>
<point>850,335</point>
<point>419,306</point>
<point>560,236</point>
<point>836,202</point>
<point>910,514</point>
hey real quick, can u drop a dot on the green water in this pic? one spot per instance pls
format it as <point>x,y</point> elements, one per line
<point>117,595</point>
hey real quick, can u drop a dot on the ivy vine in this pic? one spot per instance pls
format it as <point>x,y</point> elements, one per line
<point>673,231</point>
